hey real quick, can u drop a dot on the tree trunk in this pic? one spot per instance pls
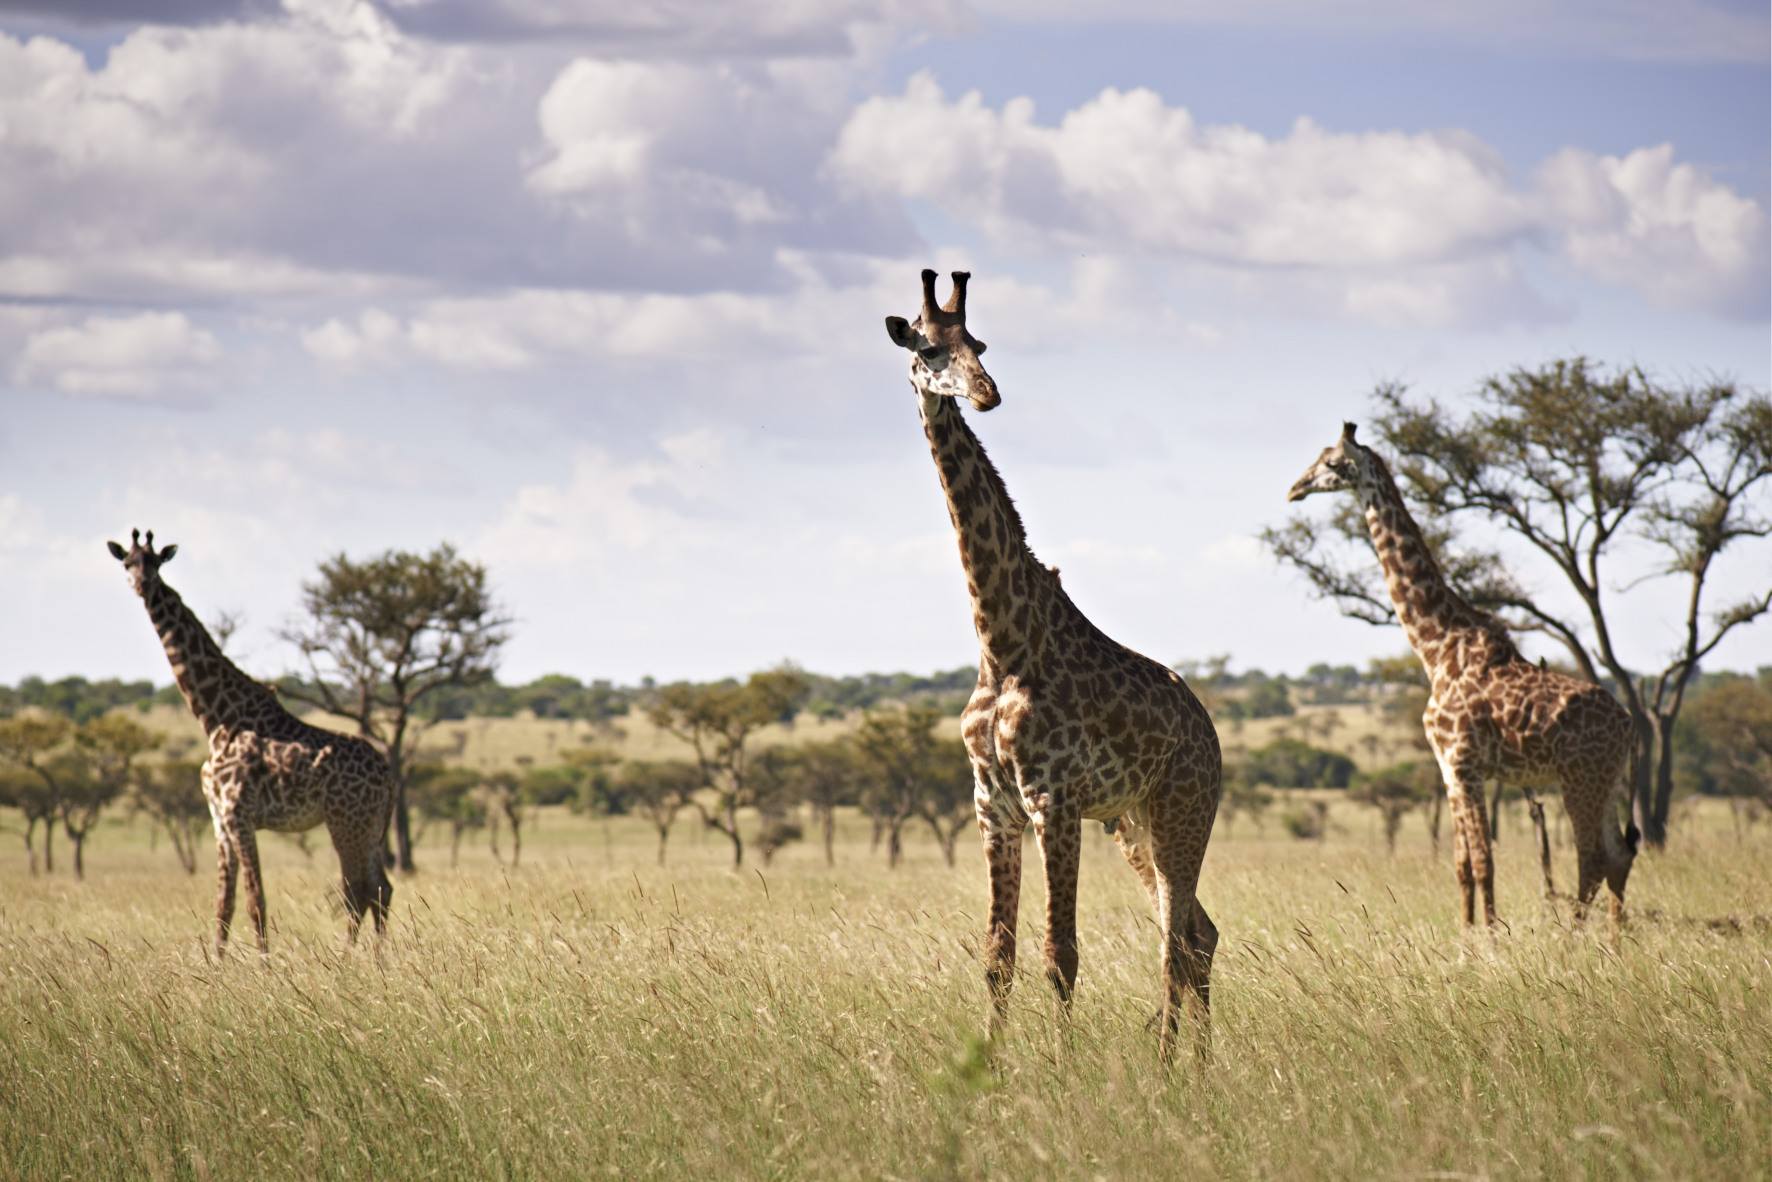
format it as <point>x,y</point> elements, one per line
<point>1642,802</point>
<point>1664,777</point>
<point>402,829</point>
<point>79,840</point>
<point>454,845</point>
<point>49,844</point>
<point>663,833</point>
<point>731,830</point>
<point>830,833</point>
<point>30,844</point>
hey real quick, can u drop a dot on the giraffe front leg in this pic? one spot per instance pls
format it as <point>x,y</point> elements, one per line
<point>1001,837</point>
<point>227,875</point>
<point>1059,829</point>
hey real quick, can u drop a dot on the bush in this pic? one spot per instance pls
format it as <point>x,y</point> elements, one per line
<point>1290,763</point>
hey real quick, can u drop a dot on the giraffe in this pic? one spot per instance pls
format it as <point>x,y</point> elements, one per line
<point>266,769</point>
<point>1065,723</point>
<point>1491,714</point>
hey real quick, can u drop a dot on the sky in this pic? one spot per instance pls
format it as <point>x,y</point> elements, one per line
<point>594,291</point>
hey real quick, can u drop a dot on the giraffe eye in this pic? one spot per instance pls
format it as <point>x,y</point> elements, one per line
<point>931,352</point>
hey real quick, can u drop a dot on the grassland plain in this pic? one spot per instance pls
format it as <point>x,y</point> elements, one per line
<point>592,1014</point>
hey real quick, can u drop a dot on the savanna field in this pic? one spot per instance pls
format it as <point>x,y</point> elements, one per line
<point>590,1013</point>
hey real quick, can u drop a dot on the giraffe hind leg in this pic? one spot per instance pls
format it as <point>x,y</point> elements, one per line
<point>365,886</point>
<point>1189,936</point>
<point>246,842</point>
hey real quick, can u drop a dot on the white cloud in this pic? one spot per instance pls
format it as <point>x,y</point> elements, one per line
<point>614,510</point>
<point>152,356</point>
<point>1410,228</point>
<point>1664,228</point>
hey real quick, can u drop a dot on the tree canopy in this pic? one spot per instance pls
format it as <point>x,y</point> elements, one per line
<point>1569,464</point>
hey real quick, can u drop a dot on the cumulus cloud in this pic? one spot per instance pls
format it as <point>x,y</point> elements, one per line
<point>1423,226</point>
<point>1663,228</point>
<point>152,356</point>
<point>610,509</point>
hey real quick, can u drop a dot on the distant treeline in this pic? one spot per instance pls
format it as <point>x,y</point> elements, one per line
<point>553,696</point>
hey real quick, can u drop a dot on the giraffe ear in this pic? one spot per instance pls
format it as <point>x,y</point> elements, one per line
<point>117,552</point>
<point>978,346</point>
<point>899,329</point>
<point>166,554</point>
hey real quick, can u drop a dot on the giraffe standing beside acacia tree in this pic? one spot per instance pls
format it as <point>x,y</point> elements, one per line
<point>267,769</point>
<point>1491,713</point>
<point>1065,723</point>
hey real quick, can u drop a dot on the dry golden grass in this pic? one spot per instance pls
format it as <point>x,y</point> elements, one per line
<point>591,1014</point>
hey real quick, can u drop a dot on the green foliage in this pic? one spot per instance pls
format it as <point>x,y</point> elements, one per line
<point>946,692</point>
<point>1262,697</point>
<point>1395,792</point>
<point>1291,763</point>
<point>171,795</point>
<point>1723,744</point>
<point>81,700</point>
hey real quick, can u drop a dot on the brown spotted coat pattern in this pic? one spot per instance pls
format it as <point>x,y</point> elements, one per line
<point>267,769</point>
<point>1066,724</point>
<point>1491,714</point>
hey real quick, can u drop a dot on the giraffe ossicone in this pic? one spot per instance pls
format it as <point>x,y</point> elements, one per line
<point>1491,714</point>
<point>1065,723</point>
<point>267,769</point>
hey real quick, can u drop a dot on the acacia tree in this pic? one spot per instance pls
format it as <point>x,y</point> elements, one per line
<point>717,720</point>
<point>897,750</point>
<point>946,798</point>
<point>447,795</point>
<point>102,767</point>
<point>25,742</point>
<point>383,635</point>
<point>171,794</point>
<point>825,776</point>
<point>1573,464</point>
<point>659,790</point>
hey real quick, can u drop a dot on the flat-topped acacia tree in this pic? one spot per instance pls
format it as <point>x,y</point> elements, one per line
<point>383,635</point>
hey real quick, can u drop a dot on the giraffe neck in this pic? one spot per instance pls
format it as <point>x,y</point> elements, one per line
<point>1438,621</point>
<point>219,694</point>
<point>1013,595</point>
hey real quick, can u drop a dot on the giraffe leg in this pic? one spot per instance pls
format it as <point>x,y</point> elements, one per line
<point>366,887</point>
<point>245,841</point>
<point>1189,936</point>
<point>1060,833</point>
<point>1535,807</point>
<point>1002,853</point>
<point>1476,863</point>
<point>227,874</point>
<point>1601,853</point>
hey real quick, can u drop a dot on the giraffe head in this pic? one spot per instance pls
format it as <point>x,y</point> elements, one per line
<point>944,356</point>
<point>140,560</point>
<point>1346,465</point>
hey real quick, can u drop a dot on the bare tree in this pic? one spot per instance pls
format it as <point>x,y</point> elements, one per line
<point>717,720</point>
<point>1571,463</point>
<point>383,635</point>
